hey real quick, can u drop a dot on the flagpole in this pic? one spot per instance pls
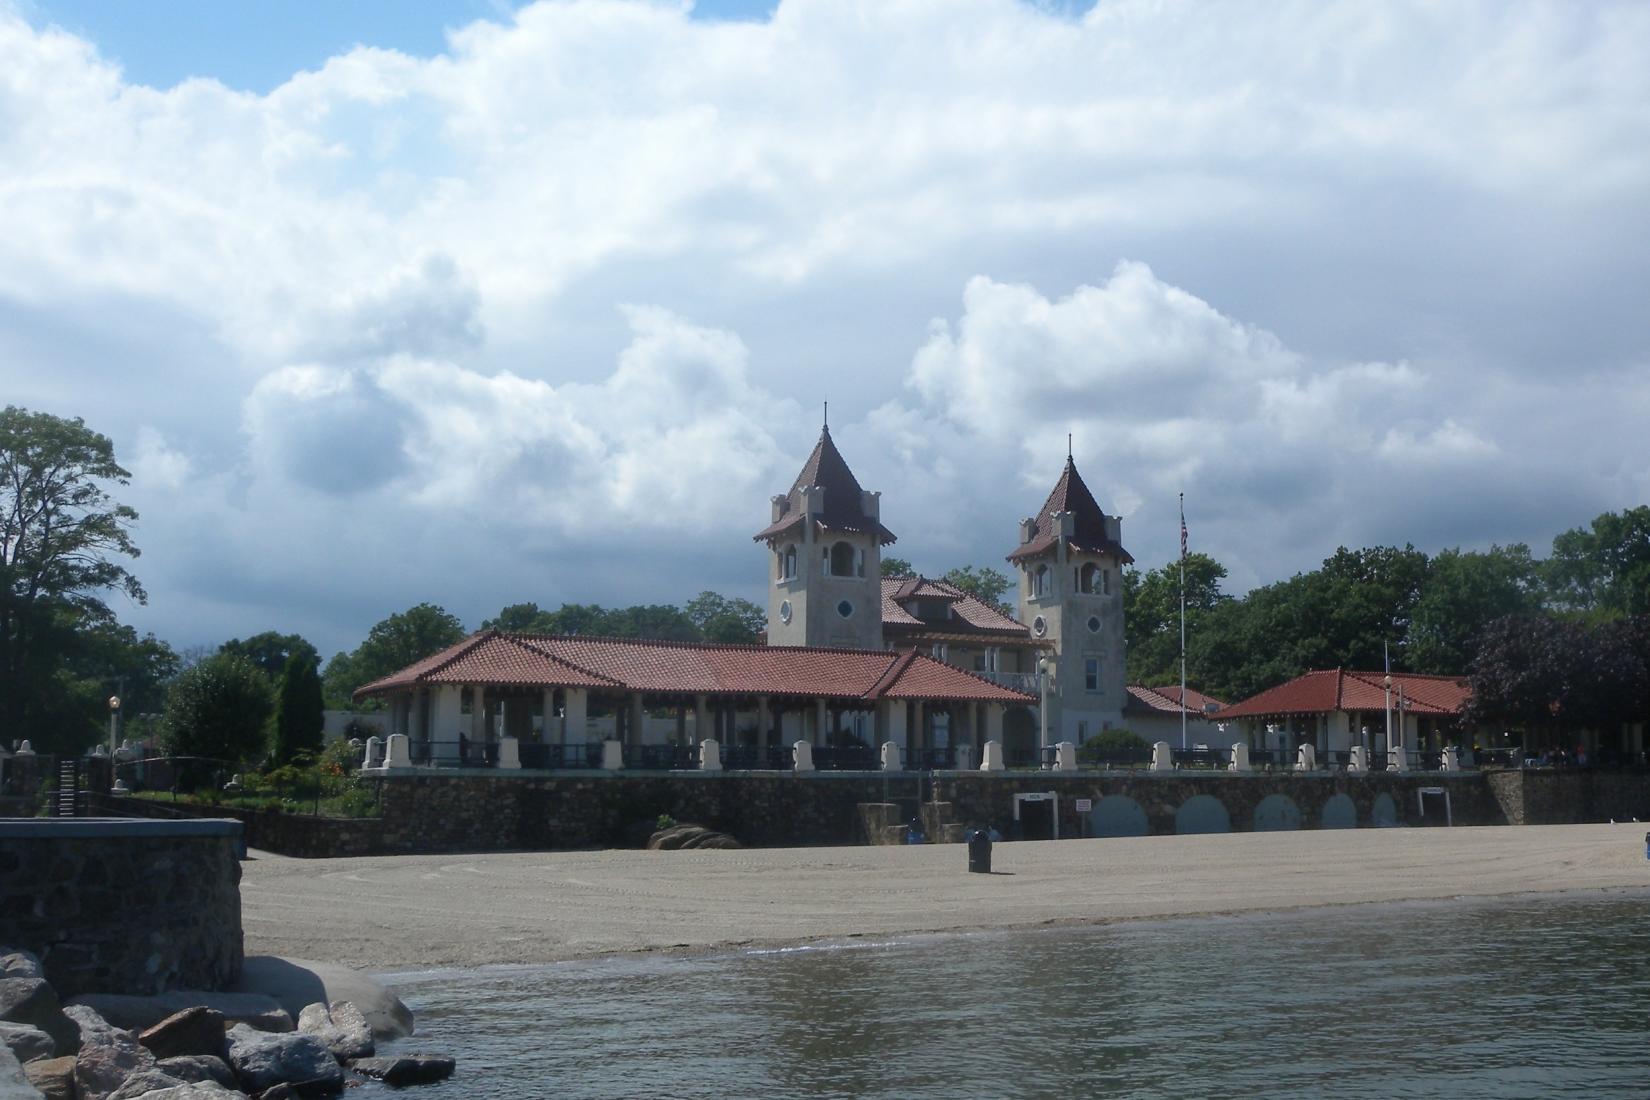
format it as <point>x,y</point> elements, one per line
<point>1182,621</point>
<point>1386,657</point>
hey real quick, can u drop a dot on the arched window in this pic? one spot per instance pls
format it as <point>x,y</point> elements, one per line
<point>1039,581</point>
<point>1089,578</point>
<point>842,560</point>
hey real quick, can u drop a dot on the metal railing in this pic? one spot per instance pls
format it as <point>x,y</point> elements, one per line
<point>941,758</point>
<point>756,758</point>
<point>586,754</point>
<point>1028,682</point>
<point>462,753</point>
<point>846,758</point>
<point>661,758</point>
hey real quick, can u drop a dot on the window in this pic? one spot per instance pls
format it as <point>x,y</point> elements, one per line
<point>845,609</point>
<point>1105,581</point>
<point>1091,674</point>
<point>1039,581</point>
<point>1082,732</point>
<point>1094,624</point>
<point>784,611</point>
<point>939,651</point>
<point>1090,579</point>
<point>991,658</point>
<point>840,560</point>
<point>788,567</point>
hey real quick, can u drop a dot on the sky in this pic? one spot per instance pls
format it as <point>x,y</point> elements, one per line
<point>481,303</point>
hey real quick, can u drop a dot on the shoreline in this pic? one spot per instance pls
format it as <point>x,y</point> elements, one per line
<point>393,914</point>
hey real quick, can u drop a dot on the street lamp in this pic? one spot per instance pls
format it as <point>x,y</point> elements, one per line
<point>1387,683</point>
<point>1043,669</point>
<point>114,723</point>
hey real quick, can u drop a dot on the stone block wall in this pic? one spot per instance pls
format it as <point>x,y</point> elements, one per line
<point>124,906</point>
<point>1557,797</point>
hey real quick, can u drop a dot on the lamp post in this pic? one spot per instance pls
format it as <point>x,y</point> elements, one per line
<point>114,723</point>
<point>1042,709</point>
<point>1387,684</point>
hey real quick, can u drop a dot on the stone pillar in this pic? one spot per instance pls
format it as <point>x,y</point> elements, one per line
<point>1450,761</point>
<point>375,753</point>
<point>891,713</point>
<point>1240,757</point>
<point>1360,760</point>
<point>1398,760</point>
<point>547,728</point>
<point>509,754</point>
<point>1340,732</point>
<point>802,757</point>
<point>613,756</point>
<point>1065,757</point>
<point>965,758</point>
<point>764,723</point>
<point>991,760</point>
<point>890,757</point>
<point>1162,758</point>
<point>822,722</point>
<point>575,722</point>
<point>1306,758</point>
<point>917,736</point>
<point>398,755</point>
<point>710,755</point>
<point>638,720</point>
<point>478,714</point>
<point>993,723</point>
<point>701,717</point>
<point>447,705</point>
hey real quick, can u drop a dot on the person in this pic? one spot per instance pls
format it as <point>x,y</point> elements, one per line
<point>913,831</point>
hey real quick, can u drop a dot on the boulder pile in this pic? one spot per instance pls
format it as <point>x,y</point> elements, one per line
<point>689,836</point>
<point>183,1045</point>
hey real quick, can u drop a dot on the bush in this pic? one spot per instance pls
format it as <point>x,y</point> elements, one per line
<point>1111,743</point>
<point>218,709</point>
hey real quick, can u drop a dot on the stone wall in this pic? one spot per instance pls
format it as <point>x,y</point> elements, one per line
<point>302,835</point>
<point>1542,797</point>
<point>124,906</point>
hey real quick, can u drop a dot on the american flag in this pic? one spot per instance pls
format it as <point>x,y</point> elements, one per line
<point>1183,525</point>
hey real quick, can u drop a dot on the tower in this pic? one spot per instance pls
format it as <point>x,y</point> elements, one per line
<point>825,561</point>
<point>1069,562</point>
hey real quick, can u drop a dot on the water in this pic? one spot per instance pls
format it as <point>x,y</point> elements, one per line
<point>1525,998</point>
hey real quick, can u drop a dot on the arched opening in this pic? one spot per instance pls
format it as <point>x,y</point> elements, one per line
<point>1339,812</point>
<point>1202,813</point>
<point>842,560</point>
<point>1277,813</point>
<point>1040,581</point>
<point>1088,579</point>
<point>1117,815</point>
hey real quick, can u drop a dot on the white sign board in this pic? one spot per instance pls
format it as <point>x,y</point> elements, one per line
<point>1085,805</point>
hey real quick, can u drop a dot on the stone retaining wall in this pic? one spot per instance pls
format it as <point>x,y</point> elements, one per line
<point>1541,797</point>
<point>302,835</point>
<point>120,905</point>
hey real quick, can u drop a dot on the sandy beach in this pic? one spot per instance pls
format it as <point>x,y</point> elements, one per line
<point>403,912</point>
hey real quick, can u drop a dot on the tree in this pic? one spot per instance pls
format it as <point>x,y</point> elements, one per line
<point>391,645</point>
<point>1151,614</point>
<point>897,567</point>
<point>1552,677</point>
<point>521,618</point>
<point>1463,593</point>
<point>218,709</point>
<point>271,651</point>
<point>1603,571</point>
<point>60,533</point>
<point>720,619</point>
<point>300,716</point>
<point>985,584</point>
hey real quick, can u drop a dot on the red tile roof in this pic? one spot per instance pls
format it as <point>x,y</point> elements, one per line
<point>681,668</point>
<point>1337,689</point>
<point>1167,700</point>
<point>843,507</point>
<point>1089,522</point>
<point>969,615</point>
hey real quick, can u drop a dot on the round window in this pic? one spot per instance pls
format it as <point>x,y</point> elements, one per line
<point>845,609</point>
<point>1039,626</point>
<point>1094,624</point>
<point>785,611</point>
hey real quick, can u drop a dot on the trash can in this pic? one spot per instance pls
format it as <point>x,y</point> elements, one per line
<point>979,852</point>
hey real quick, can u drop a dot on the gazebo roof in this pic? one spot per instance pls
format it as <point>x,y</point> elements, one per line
<point>492,658</point>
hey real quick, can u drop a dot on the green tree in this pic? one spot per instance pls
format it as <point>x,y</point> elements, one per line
<point>522,618</point>
<point>1552,677</point>
<point>721,619</point>
<point>218,709</point>
<point>60,535</point>
<point>1603,570</point>
<point>299,711</point>
<point>391,645</point>
<point>1463,593</point>
<point>1151,615</point>
<point>897,567</point>
<point>271,651</point>
<point>985,584</point>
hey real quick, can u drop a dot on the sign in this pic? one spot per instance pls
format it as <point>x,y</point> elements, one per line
<point>1085,805</point>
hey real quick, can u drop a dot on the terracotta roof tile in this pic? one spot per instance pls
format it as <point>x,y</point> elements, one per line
<point>1070,494</point>
<point>843,509</point>
<point>1328,690</point>
<point>1167,700</point>
<point>969,614</point>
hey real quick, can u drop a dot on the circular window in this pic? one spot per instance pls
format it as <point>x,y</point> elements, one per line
<point>1039,626</point>
<point>785,611</point>
<point>1094,624</point>
<point>845,609</point>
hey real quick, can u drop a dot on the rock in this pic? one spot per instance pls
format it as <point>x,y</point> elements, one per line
<point>405,1069</point>
<point>262,1060</point>
<point>197,1090</point>
<point>32,1001</point>
<point>140,1013</point>
<point>54,1077</point>
<point>341,1027</point>
<point>20,964</point>
<point>108,1055</point>
<point>199,1067</point>
<point>197,1030</point>
<point>144,1082</point>
<point>689,836</point>
<point>28,1042</point>
<point>14,1083</point>
<point>299,982</point>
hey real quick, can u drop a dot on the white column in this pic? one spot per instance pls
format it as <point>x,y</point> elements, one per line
<point>446,706</point>
<point>1306,758</point>
<point>397,755</point>
<point>1240,757</point>
<point>478,714</point>
<point>890,757</point>
<point>575,721</point>
<point>1065,757</point>
<point>701,717</point>
<point>822,720</point>
<point>994,722</point>
<point>764,723</point>
<point>893,714</point>
<point>613,755</point>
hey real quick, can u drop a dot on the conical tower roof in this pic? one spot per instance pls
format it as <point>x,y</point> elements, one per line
<point>844,506</point>
<point>1088,533</point>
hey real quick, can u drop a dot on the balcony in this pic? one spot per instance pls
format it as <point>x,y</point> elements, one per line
<point>1028,682</point>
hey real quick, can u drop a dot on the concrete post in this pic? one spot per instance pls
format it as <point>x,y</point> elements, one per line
<point>1162,758</point>
<point>478,714</point>
<point>509,754</point>
<point>375,753</point>
<point>991,760</point>
<point>1360,760</point>
<point>893,713</point>
<point>398,755</point>
<point>965,758</point>
<point>701,717</point>
<point>575,721</point>
<point>822,722</point>
<point>802,757</point>
<point>613,756</point>
<point>1065,757</point>
<point>710,755</point>
<point>1450,762</point>
<point>1240,757</point>
<point>890,757</point>
<point>1398,760</point>
<point>638,720</point>
<point>764,722</point>
<point>1306,758</point>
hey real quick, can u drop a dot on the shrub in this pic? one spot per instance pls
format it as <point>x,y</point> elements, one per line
<point>1110,743</point>
<point>217,709</point>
